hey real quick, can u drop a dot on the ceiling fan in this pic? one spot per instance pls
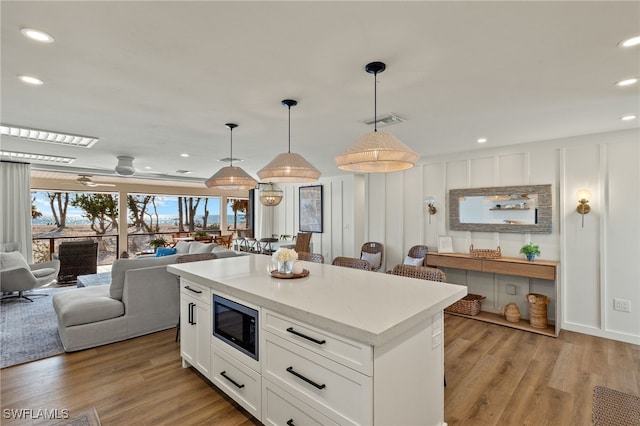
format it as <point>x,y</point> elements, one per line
<point>86,181</point>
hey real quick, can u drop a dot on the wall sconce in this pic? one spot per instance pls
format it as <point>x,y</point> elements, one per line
<point>431,206</point>
<point>583,199</point>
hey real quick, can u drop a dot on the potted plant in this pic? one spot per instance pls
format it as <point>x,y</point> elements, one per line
<point>157,242</point>
<point>530,250</point>
<point>201,235</point>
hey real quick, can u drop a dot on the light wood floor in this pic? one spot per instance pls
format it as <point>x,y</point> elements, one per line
<point>495,376</point>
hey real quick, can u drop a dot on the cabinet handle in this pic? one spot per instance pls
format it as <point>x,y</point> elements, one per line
<point>300,376</point>
<point>190,313</point>
<point>190,289</point>
<point>193,312</point>
<point>290,422</point>
<point>297,333</point>
<point>238,385</point>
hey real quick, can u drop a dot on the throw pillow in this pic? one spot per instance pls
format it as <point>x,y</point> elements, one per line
<point>182,247</point>
<point>12,259</point>
<point>165,251</point>
<point>413,261</point>
<point>372,258</point>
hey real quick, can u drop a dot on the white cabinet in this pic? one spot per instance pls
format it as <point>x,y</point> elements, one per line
<point>195,326</point>
<point>281,408</point>
<point>240,382</point>
<point>328,373</point>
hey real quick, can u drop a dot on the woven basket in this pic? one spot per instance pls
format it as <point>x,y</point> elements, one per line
<point>485,253</point>
<point>511,312</point>
<point>538,310</point>
<point>468,305</point>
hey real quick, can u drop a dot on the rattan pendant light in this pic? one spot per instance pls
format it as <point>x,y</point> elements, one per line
<point>376,152</point>
<point>269,194</point>
<point>289,167</point>
<point>231,177</point>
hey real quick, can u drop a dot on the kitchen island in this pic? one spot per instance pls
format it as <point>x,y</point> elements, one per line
<point>340,346</point>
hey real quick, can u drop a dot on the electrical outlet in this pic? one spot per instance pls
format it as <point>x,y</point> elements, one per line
<point>622,305</point>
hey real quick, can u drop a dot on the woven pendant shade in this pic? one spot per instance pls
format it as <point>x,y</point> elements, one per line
<point>231,178</point>
<point>289,167</point>
<point>377,152</point>
<point>270,194</point>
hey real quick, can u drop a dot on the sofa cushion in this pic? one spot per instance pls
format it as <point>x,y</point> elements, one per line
<point>86,305</point>
<point>120,266</point>
<point>222,252</point>
<point>182,247</point>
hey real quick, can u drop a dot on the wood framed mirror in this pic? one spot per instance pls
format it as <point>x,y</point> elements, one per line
<point>518,209</point>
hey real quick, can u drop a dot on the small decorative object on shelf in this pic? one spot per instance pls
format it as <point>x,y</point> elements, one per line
<point>538,309</point>
<point>511,312</point>
<point>530,250</point>
<point>486,253</point>
<point>285,257</point>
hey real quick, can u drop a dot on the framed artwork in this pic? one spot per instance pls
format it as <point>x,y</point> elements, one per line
<point>445,245</point>
<point>311,208</point>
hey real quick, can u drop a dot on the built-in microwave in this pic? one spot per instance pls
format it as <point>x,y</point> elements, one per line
<point>236,325</point>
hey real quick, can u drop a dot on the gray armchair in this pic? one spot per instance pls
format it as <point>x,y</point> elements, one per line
<point>16,275</point>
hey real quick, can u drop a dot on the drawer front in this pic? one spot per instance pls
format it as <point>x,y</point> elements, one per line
<point>238,381</point>
<point>280,408</point>
<point>197,291</point>
<point>345,351</point>
<point>331,388</point>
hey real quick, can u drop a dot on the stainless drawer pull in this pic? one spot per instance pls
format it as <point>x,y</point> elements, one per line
<point>238,385</point>
<point>190,289</point>
<point>297,333</point>
<point>300,376</point>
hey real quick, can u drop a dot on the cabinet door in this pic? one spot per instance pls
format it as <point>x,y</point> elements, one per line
<point>195,331</point>
<point>187,330</point>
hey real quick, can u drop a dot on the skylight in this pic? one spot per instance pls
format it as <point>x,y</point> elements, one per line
<point>25,156</point>
<point>48,136</point>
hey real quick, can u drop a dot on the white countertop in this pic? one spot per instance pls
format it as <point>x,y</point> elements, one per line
<point>370,307</point>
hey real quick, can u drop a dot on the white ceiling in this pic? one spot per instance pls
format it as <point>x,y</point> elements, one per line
<point>154,79</point>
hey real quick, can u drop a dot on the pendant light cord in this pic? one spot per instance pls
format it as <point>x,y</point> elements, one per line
<point>231,148</point>
<point>375,102</point>
<point>289,106</point>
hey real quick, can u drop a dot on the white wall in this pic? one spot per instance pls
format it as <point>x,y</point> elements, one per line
<point>598,263</point>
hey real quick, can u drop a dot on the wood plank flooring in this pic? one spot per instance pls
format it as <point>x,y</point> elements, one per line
<point>495,376</point>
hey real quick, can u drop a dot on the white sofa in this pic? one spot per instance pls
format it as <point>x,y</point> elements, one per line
<point>142,298</point>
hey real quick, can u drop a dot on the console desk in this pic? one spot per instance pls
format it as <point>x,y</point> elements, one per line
<point>339,346</point>
<point>539,269</point>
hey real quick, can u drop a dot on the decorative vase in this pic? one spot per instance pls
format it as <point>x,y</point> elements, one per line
<point>285,266</point>
<point>531,257</point>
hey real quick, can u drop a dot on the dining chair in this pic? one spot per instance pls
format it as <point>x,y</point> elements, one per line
<point>416,252</point>
<point>352,262</point>
<point>421,272</point>
<point>311,257</point>
<point>373,252</point>
<point>303,240</point>
<point>265,245</point>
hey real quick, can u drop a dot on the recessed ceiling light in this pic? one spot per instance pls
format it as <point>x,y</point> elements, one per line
<point>184,155</point>
<point>630,42</point>
<point>37,35</point>
<point>47,136</point>
<point>31,80</point>
<point>482,140</point>
<point>627,82</point>
<point>25,156</point>
<point>628,118</point>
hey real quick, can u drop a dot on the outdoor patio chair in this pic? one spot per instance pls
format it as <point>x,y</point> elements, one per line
<point>76,258</point>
